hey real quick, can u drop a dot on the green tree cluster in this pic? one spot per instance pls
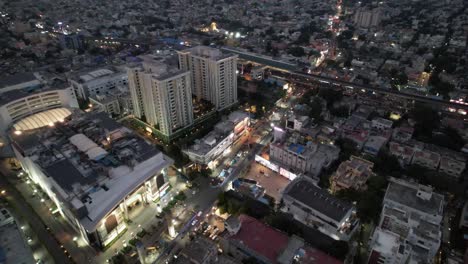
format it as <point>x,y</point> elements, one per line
<point>368,202</point>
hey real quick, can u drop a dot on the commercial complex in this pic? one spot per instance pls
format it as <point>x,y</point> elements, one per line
<point>97,82</point>
<point>213,73</point>
<point>95,172</point>
<point>161,95</point>
<point>410,222</point>
<point>211,147</point>
<point>315,207</point>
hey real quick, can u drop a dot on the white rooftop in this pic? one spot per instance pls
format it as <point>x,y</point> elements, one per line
<point>95,74</point>
<point>123,180</point>
<point>42,119</point>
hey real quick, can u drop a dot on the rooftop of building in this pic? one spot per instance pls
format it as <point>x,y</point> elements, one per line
<point>399,149</point>
<point>416,196</point>
<point>17,79</point>
<point>318,199</point>
<point>261,238</point>
<point>207,143</point>
<point>158,67</point>
<point>222,130</point>
<point>375,142</point>
<point>111,95</point>
<point>208,52</point>
<point>385,244</point>
<point>10,96</point>
<point>383,121</point>
<point>199,249</point>
<point>91,75</point>
<point>276,246</point>
<point>42,119</point>
<point>427,155</point>
<point>449,162</point>
<point>354,169</point>
<point>297,250</point>
<point>103,161</point>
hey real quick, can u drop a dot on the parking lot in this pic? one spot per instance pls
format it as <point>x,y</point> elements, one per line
<point>211,227</point>
<point>273,183</point>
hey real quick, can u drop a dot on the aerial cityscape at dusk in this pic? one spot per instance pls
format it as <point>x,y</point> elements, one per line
<point>233,132</point>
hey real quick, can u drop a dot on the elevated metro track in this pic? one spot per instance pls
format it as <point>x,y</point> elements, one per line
<point>291,73</point>
<point>349,85</point>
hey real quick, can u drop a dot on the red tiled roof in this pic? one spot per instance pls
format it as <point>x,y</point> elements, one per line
<point>270,243</point>
<point>261,238</point>
<point>374,257</point>
<point>315,256</point>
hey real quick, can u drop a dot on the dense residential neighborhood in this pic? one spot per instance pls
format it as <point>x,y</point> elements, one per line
<point>260,131</point>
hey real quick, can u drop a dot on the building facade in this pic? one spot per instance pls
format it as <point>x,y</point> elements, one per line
<point>213,73</point>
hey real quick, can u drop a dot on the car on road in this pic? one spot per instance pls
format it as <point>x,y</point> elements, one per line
<point>207,230</point>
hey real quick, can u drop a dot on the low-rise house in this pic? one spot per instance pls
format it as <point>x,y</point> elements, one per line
<point>402,134</point>
<point>352,173</point>
<point>374,144</point>
<point>381,123</point>
<point>452,167</point>
<point>426,158</point>
<point>404,153</point>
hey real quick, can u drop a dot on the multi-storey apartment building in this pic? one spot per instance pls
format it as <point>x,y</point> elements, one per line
<point>161,95</point>
<point>411,218</point>
<point>213,73</point>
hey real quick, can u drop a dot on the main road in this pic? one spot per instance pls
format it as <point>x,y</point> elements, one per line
<point>207,195</point>
<point>17,201</point>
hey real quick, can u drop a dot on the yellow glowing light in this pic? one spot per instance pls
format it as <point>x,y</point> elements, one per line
<point>395,116</point>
